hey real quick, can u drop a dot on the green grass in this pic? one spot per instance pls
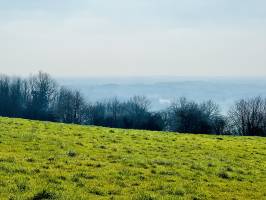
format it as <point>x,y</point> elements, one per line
<point>41,160</point>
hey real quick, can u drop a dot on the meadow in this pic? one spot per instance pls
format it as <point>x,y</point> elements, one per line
<point>44,160</point>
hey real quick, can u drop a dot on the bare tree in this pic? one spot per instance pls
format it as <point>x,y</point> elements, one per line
<point>248,117</point>
<point>64,105</point>
<point>95,114</point>
<point>114,109</point>
<point>137,112</point>
<point>43,91</point>
<point>191,117</point>
<point>78,106</point>
<point>16,100</point>
<point>70,106</point>
<point>4,95</point>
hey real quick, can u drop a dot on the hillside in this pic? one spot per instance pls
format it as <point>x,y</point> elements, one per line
<point>162,90</point>
<point>41,160</point>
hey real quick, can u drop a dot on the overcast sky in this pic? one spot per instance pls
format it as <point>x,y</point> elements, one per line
<point>133,37</point>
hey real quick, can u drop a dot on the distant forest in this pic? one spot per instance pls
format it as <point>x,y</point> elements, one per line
<point>39,97</point>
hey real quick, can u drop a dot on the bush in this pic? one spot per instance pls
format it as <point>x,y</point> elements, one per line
<point>71,153</point>
<point>44,194</point>
<point>224,175</point>
<point>144,196</point>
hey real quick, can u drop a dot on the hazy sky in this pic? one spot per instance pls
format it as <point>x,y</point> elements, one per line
<point>133,37</point>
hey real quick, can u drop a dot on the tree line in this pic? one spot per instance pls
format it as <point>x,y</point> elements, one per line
<point>39,97</point>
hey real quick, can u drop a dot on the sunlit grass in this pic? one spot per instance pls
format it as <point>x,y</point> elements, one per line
<point>41,160</point>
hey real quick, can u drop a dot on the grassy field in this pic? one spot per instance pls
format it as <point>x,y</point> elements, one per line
<point>41,160</point>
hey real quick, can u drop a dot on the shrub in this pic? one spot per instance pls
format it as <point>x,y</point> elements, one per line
<point>44,194</point>
<point>224,175</point>
<point>71,153</point>
<point>144,196</point>
<point>178,191</point>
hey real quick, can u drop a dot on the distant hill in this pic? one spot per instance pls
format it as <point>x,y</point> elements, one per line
<point>42,160</point>
<point>161,91</point>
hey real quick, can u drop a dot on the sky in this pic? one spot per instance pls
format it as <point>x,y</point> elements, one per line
<point>87,38</point>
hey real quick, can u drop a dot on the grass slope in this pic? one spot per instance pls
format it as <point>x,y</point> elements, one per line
<point>41,160</point>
